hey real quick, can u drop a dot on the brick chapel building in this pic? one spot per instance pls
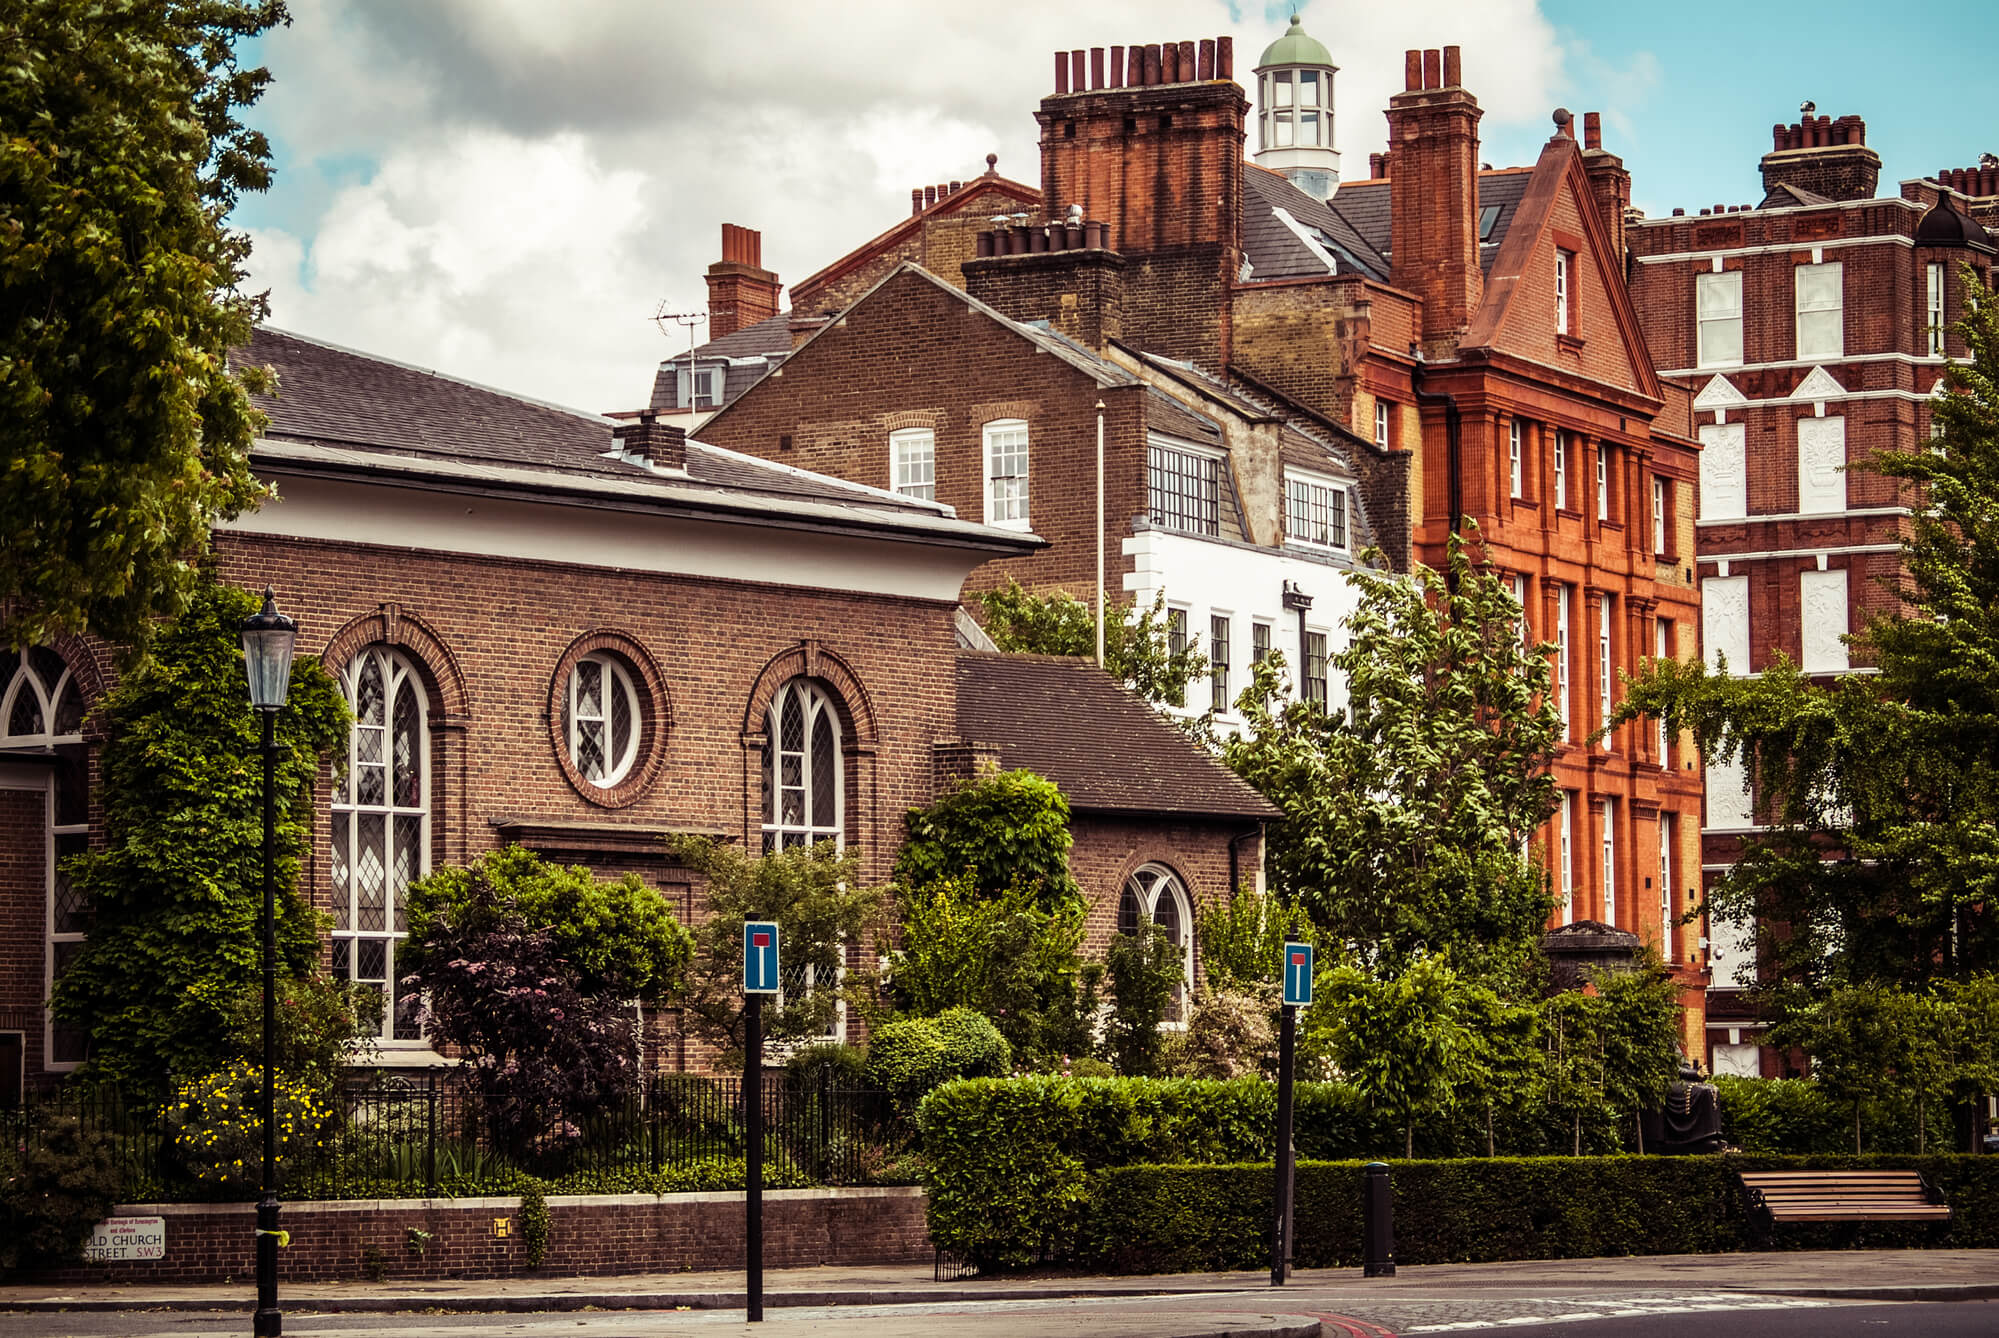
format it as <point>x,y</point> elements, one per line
<point>1812,328</point>
<point>581,636</point>
<point>1464,337</point>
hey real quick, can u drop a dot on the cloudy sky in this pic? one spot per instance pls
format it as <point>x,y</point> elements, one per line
<point>508,190</point>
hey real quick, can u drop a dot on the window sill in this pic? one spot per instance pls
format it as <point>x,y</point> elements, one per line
<point>1522,504</point>
<point>1310,546</point>
<point>1569,343</point>
<point>1022,525</point>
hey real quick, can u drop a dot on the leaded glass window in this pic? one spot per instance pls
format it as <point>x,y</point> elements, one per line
<point>601,719</point>
<point>803,769</point>
<point>41,708</point>
<point>380,830</point>
<point>1154,894</point>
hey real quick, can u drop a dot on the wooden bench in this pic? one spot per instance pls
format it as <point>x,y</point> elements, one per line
<point>1843,1196</point>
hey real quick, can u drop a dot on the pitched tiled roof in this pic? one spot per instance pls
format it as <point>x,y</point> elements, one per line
<point>336,397</point>
<point>1110,752</point>
<point>1365,205</point>
<point>1278,249</point>
<point>1786,196</point>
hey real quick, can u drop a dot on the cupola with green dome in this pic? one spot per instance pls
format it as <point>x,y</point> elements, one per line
<point>1294,116</point>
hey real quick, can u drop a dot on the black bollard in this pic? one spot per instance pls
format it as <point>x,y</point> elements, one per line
<point>1377,1218</point>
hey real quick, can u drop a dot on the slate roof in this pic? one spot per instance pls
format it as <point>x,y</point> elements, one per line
<point>364,405</point>
<point>1069,721</point>
<point>751,352</point>
<point>1786,196</point>
<point>1276,249</point>
<point>1364,204</point>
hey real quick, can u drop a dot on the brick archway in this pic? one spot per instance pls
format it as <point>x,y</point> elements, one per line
<point>393,625</point>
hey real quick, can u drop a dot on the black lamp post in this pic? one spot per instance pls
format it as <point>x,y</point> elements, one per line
<point>268,637</point>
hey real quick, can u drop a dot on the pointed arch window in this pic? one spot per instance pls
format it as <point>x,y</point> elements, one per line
<point>1154,894</point>
<point>381,830</point>
<point>41,708</point>
<point>803,769</point>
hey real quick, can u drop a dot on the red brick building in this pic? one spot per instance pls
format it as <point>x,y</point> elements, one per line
<point>1466,336</point>
<point>1812,329</point>
<point>582,636</point>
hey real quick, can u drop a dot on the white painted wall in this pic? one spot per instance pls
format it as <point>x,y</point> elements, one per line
<point>1245,584</point>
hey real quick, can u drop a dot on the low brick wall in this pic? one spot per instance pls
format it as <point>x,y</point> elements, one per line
<point>588,1234</point>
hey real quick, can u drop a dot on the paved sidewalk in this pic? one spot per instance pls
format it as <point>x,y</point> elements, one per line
<point>1898,1275</point>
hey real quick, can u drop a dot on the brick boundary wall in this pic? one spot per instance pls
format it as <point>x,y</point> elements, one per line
<point>589,1234</point>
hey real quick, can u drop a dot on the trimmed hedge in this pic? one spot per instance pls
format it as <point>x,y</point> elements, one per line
<point>1142,1219</point>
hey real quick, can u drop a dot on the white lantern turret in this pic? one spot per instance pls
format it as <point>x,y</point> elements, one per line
<point>1294,121</point>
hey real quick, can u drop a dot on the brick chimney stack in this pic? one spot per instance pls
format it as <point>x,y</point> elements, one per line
<point>1818,153</point>
<point>663,445</point>
<point>1433,195</point>
<point>1609,183</point>
<point>741,292</point>
<point>1149,141</point>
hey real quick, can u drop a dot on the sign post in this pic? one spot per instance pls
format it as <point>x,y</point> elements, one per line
<point>760,944</point>
<point>1297,994</point>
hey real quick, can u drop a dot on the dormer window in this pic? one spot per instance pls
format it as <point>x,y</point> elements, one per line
<point>701,388</point>
<point>1315,512</point>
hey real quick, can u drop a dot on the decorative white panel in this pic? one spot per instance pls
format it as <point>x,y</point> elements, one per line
<point>1818,385</point>
<point>1725,622</point>
<point>1724,480</point>
<point>1731,953</point>
<point>1741,1061</point>
<point>1822,609</point>
<point>1821,465</point>
<point>1728,796</point>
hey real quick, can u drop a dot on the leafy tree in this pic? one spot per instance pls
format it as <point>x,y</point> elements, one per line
<point>1231,1034</point>
<point>1898,771</point>
<point>176,891</point>
<point>1401,1040</point>
<point>1242,939</point>
<point>1145,969</point>
<point>1138,643</point>
<point>124,434</point>
<point>1572,1077</point>
<point>815,896</point>
<point>57,1182</point>
<point>618,937</point>
<point>542,1054</point>
<point>1968,1027</point>
<point>999,830</point>
<point>1007,956</point>
<point>1500,1067</point>
<point>1867,1042</point>
<point>1639,1031</point>
<point>1405,815</point>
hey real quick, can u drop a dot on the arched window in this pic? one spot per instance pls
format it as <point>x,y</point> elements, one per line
<point>1154,894</point>
<point>804,794</point>
<point>381,829</point>
<point>41,708</point>
<point>602,720</point>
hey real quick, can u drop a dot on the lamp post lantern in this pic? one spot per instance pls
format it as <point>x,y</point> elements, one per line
<point>268,638</point>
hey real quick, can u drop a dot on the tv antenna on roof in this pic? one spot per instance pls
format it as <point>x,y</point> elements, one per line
<point>662,318</point>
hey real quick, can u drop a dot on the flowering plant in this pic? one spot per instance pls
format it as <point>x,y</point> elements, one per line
<point>218,1127</point>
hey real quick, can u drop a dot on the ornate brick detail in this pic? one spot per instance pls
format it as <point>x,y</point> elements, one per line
<point>655,717</point>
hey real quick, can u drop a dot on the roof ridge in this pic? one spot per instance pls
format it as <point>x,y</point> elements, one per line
<point>794,471</point>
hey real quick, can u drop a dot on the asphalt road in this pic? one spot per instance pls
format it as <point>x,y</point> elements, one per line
<point>1592,1314</point>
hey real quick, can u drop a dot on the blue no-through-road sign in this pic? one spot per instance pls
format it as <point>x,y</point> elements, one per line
<point>1297,975</point>
<point>760,957</point>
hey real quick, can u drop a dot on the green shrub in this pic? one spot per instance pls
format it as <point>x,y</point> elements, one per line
<point>218,1125</point>
<point>910,1056</point>
<point>1144,970</point>
<point>833,1063</point>
<point>1198,1218</point>
<point>1798,1117</point>
<point>53,1190</point>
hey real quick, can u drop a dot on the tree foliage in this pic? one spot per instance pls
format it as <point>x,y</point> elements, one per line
<point>1000,830</point>
<point>1138,643</point>
<point>1401,1039</point>
<point>1405,814</point>
<point>618,936</point>
<point>124,435</point>
<point>1144,969</point>
<point>175,892</point>
<point>1007,956</point>
<point>1242,939</point>
<point>815,895</point>
<point>1898,771</point>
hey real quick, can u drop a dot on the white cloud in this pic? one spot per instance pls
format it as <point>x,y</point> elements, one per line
<point>545,175</point>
